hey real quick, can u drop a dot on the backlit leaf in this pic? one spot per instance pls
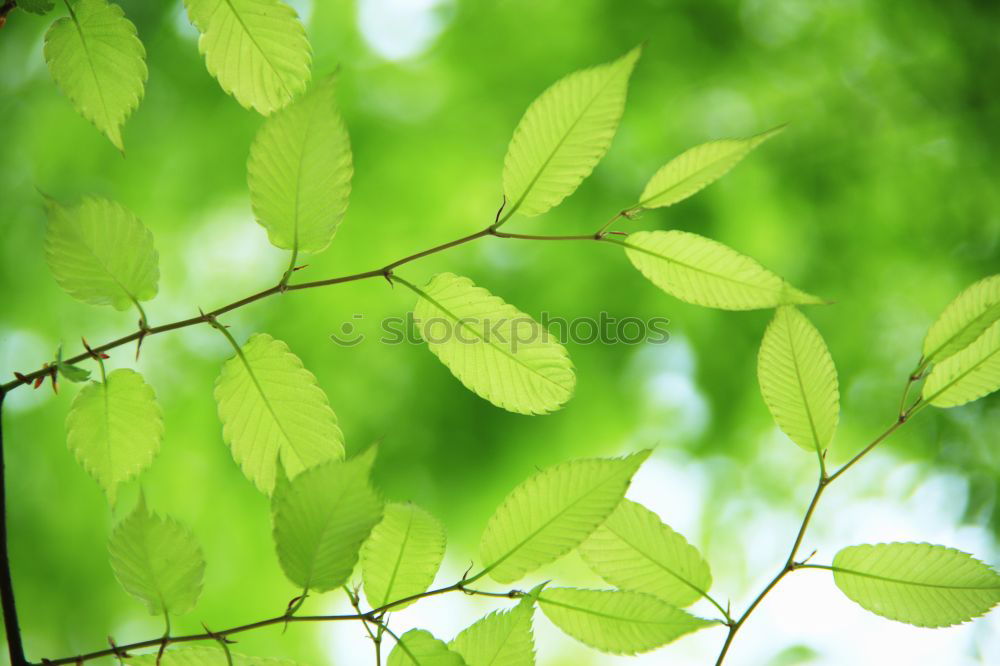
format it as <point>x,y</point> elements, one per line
<point>36,6</point>
<point>972,312</point>
<point>418,647</point>
<point>402,555</point>
<point>968,375</point>
<point>502,638</point>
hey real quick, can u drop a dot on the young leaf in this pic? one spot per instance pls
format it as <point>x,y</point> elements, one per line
<point>201,656</point>
<point>98,62</point>
<point>300,171</point>
<point>320,521</point>
<point>157,560</point>
<point>552,512</point>
<point>114,428</point>
<point>972,312</point>
<point>100,253</point>
<point>499,639</point>
<point>498,352</point>
<point>968,375</point>
<point>418,647</point>
<point>257,49</point>
<point>704,272</point>
<point>402,555</point>
<point>917,583</point>
<point>697,168</point>
<point>798,380</point>
<point>36,6</point>
<point>634,550</point>
<point>271,406</point>
<point>563,135</point>
<point>619,622</point>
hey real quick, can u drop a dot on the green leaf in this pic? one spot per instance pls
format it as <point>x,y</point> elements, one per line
<point>402,555</point>
<point>634,550</point>
<point>300,171</point>
<point>100,253</point>
<point>115,428</point>
<point>418,647</point>
<point>320,521</point>
<point>157,560</point>
<point>619,622</point>
<point>968,375</point>
<point>972,312</point>
<point>563,135</point>
<point>98,62</point>
<point>502,638</point>
<point>272,407</point>
<point>498,352</point>
<point>697,168</point>
<point>73,373</point>
<point>202,656</point>
<point>917,583</point>
<point>704,272</point>
<point>552,512</point>
<point>798,380</point>
<point>257,49</point>
<point>36,6</point>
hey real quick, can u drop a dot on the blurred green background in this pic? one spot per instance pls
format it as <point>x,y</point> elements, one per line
<point>880,196</point>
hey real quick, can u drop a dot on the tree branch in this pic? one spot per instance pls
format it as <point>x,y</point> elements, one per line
<point>14,644</point>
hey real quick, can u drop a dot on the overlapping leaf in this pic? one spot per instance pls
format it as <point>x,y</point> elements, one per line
<point>917,583</point>
<point>202,656</point>
<point>257,49</point>
<point>272,407</point>
<point>498,352</point>
<point>564,134</point>
<point>705,272</point>
<point>114,428</point>
<point>100,253</point>
<point>634,550</point>
<point>697,168</point>
<point>98,61</point>
<point>321,518</point>
<point>968,375</point>
<point>615,621</point>
<point>553,512</point>
<point>402,555</point>
<point>158,561</point>
<point>36,6</point>
<point>418,647</point>
<point>502,638</point>
<point>972,312</point>
<point>300,170</point>
<point>798,380</point>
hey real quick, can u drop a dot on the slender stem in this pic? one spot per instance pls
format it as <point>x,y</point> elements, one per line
<point>356,603</point>
<point>291,265</point>
<point>14,644</point>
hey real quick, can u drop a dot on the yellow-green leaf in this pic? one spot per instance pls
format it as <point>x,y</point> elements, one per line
<point>697,168</point>
<point>114,428</point>
<point>563,135</point>
<point>968,375</point>
<point>917,583</point>
<point>271,406</point>
<point>705,272</point>
<point>402,555</point>
<point>98,62</point>
<point>972,312</point>
<point>418,647</point>
<point>502,638</point>
<point>798,380</point>
<point>300,170</point>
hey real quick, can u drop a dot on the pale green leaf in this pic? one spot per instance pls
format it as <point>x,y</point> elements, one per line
<point>300,170</point>
<point>502,638</point>
<point>917,583</point>
<point>157,560</point>
<point>98,62</point>
<point>972,312</point>
<point>968,375</point>
<point>271,406</point>
<point>100,253</point>
<point>418,647</point>
<point>321,518</point>
<point>36,6</point>
<point>114,428</point>
<point>257,49</point>
<point>616,621</point>
<point>634,550</point>
<point>697,168</point>
<point>202,656</point>
<point>705,272</point>
<point>402,555</point>
<point>498,352</point>
<point>564,134</point>
<point>798,380</point>
<point>552,512</point>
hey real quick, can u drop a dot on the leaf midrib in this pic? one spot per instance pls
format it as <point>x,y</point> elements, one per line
<point>609,616</point>
<point>993,311</point>
<point>802,388</point>
<point>691,176</point>
<point>90,63</point>
<point>963,375</point>
<point>253,40</point>
<point>653,560</point>
<point>900,581</point>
